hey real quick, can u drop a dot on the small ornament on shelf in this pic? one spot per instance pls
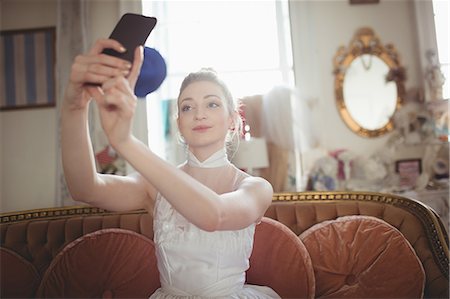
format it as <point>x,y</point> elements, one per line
<point>439,110</point>
<point>434,77</point>
<point>436,104</point>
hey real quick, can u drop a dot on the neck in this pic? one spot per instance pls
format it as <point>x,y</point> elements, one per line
<point>204,152</point>
<point>216,159</point>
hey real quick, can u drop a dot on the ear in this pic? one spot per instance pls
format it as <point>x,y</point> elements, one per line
<point>232,120</point>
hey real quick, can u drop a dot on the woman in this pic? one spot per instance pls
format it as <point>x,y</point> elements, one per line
<point>205,210</point>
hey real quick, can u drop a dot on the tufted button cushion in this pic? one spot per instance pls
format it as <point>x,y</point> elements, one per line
<point>281,261</point>
<point>109,263</point>
<point>363,257</point>
<point>22,279</point>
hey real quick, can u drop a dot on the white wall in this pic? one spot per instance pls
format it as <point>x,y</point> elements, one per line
<point>318,29</point>
<point>28,137</point>
<point>28,174</point>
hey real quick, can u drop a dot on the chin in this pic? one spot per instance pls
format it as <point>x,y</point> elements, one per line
<point>206,143</point>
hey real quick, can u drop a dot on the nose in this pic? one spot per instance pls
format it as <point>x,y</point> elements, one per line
<point>200,113</point>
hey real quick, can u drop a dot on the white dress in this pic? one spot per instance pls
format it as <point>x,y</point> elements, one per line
<point>194,263</point>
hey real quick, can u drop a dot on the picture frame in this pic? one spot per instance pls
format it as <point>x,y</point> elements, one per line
<point>409,171</point>
<point>28,59</point>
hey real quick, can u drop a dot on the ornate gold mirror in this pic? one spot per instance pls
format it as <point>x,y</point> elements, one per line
<point>369,84</point>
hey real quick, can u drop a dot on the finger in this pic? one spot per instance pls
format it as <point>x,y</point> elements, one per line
<point>116,100</point>
<point>95,92</point>
<point>106,101</point>
<point>115,62</point>
<point>109,43</point>
<point>103,59</point>
<point>109,84</point>
<point>104,70</point>
<point>120,85</point>
<point>137,64</point>
<point>89,69</point>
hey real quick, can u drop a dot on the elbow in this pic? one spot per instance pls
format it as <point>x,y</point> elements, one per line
<point>211,225</point>
<point>85,191</point>
<point>209,228</point>
<point>81,195</point>
<point>212,222</point>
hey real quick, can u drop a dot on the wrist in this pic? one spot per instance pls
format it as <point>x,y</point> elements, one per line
<point>75,98</point>
<point>69,110</point>
<point>124,146</point>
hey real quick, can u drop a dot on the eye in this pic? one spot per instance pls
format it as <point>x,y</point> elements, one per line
<point>213,105</point>
<point>186,108</point>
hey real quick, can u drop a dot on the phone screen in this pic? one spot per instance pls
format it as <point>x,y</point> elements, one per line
<point>131,31</point>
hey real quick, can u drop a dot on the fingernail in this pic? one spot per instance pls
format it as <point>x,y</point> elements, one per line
<point>122,49</point>
<point>128,65</point>
<point>125,72</point>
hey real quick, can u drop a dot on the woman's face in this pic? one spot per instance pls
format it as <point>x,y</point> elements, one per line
<point>203,116</point>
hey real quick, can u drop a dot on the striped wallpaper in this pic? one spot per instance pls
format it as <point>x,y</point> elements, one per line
<point>27,63</point>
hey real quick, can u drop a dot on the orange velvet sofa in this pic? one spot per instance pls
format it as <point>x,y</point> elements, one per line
<point>36,243</point>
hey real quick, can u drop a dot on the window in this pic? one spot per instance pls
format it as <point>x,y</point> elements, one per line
<point>441,21</point>
<point>247,42</point>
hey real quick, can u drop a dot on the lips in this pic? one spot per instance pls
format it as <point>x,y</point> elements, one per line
<point>201,128</point>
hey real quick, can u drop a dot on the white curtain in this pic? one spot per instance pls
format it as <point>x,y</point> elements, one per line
<point>79,23</point>
<point>71,39</point>
<point>140,127</point>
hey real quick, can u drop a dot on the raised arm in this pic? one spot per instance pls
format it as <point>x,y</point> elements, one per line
<point>196,202</point>
<point>85,184</point>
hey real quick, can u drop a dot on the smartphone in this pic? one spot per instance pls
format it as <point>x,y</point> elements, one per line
<point>131,31</point>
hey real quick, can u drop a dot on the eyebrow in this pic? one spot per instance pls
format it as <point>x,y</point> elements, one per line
<point>212,96</point>
<point>185,99</point>
<point>205,97</point>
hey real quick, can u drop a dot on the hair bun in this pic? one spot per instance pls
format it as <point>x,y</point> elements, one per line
<point>208,70</point>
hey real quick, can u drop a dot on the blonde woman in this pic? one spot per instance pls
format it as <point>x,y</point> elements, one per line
<point>205,210</point>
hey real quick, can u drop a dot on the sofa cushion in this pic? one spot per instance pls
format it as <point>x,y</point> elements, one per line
<point>363,257</point>
<point>106,263</point>
<point>280,260</point>
<point>22,279</point>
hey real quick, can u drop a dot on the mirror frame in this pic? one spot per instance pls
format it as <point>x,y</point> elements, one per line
<point>365,41</point>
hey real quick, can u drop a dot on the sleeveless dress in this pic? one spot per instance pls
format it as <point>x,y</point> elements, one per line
<point>194,263</point>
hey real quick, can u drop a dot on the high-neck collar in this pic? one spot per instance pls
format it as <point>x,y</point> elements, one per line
<point>217,159</point>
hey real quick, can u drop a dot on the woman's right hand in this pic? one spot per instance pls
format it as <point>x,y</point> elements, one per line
<point>89,71</point>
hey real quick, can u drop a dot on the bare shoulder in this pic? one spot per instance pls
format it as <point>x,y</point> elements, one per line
<point>257,181</point>
<point>257,186</point>
<point>259,193</point>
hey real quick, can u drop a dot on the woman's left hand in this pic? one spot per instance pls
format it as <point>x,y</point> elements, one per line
<point>117,102</point>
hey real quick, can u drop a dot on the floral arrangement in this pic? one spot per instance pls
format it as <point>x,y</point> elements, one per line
<point>331,172</point>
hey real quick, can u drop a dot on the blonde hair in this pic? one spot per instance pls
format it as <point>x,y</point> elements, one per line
<point>210,75</point>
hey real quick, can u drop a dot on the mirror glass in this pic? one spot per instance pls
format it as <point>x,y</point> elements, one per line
<point>369,84</point>
<point>370,100</point>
